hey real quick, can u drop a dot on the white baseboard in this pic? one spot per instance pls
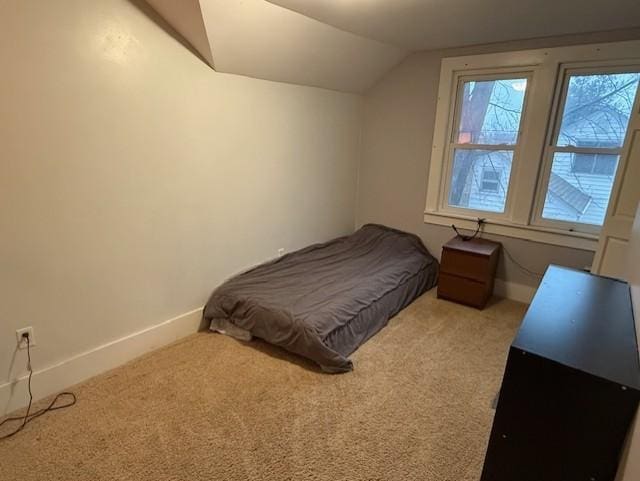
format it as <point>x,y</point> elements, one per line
<point>513,291</point>
<point>58,377</point>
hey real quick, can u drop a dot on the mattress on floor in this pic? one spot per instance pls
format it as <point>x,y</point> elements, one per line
<point>324,301</point>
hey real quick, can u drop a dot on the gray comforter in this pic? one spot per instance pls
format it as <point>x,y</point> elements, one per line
<point>324,301</point>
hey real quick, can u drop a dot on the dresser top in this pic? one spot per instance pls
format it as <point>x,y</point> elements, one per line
<point>585,322</point>
<point>474,246</point>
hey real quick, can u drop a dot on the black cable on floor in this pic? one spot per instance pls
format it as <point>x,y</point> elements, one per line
<point>28,417</point>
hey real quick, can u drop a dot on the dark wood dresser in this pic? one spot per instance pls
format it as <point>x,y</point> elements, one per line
<point>571,385</point>
<point>467,271</point>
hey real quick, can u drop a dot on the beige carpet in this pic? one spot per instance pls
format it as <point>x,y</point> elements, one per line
<point>416,407</point>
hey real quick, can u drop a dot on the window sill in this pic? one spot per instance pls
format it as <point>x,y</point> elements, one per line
<point>544,235</point>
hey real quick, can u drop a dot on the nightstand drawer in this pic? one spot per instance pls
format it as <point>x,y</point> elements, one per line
<point>462,290</point>
<point>471,266</point>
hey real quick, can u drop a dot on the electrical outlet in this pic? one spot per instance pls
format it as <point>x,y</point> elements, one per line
<point>22,342</point>
<point>281,252</point>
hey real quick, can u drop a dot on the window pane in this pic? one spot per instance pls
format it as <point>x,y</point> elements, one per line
<point>490,111</point>
<point>597,110</point>
<point>575,196</point>
<point>473,187</point>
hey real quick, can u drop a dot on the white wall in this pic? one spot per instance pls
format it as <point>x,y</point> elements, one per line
<point>633,268</point>
<point>134,179</point>
<point>397,138</point>
<point>631,464</point>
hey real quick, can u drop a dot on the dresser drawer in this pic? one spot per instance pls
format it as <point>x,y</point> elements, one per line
<point>475,267</point>
<point>463,290</point>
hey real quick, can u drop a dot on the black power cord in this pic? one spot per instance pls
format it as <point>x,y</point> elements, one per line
<point>28,417</point>
<point>480,222</point>
<point>469,237</point>
<point>529,272</point>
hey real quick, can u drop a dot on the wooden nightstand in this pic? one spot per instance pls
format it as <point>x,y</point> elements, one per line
<point>467,271</point>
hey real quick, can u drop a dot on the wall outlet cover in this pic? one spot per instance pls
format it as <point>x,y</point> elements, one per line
<point>22,343</point>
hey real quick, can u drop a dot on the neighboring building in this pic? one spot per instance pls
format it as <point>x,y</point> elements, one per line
<point>579,185</point>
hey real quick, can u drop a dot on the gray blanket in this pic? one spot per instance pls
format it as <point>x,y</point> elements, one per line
<point>324,301</point>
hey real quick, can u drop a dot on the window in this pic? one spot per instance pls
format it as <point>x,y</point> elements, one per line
<point>485,139</point>
<point>592,127</point>
<point>532,141</point>
<point>490,180</point>
<point>596,164</point>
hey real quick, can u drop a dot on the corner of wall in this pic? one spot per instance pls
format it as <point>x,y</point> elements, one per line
<point>360,159</point>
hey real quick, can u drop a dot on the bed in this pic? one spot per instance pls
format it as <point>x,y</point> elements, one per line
<point>324,301</point>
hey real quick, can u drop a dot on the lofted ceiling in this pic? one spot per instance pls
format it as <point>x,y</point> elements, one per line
<point>347,45</point>
<point>186,17</point>
<point>433,24</point>
<point>259,39</point>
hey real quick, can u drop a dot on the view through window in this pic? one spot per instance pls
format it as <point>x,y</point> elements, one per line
<point>486,136</point>
<point>592,128</point>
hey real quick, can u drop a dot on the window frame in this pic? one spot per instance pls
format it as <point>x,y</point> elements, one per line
<point>547,68</point>
<point>452,145</point>
<point>562,90</point>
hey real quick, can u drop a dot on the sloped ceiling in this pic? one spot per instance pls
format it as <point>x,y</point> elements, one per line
<point>432,24</point>
<point>348,45</point>
<point>259,39</point>
<point>186,17</point>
